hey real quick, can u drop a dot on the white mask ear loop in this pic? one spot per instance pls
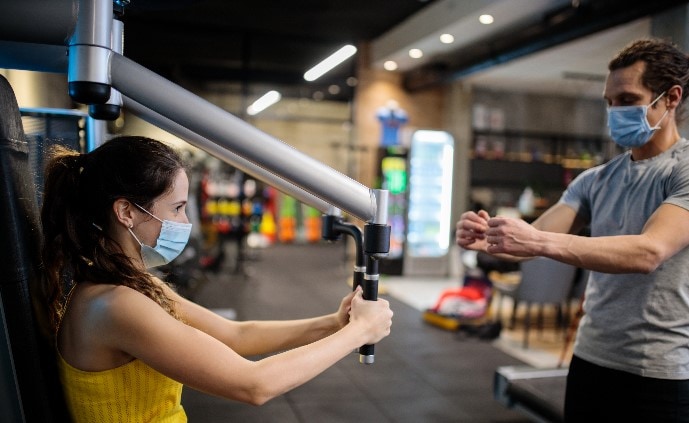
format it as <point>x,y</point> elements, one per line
<point>131,225</point>
<point>132,232</point>
<point>657,125</point>
<point>149,213</point>
<point>657,98</point>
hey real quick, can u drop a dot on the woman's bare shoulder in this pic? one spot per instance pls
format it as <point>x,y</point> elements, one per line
<point>105,299</point>
<point>110,310</point>
<point>92,326</point>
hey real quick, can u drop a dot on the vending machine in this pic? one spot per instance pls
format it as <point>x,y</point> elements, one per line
<point>393,176</point>
<point>429,199</point>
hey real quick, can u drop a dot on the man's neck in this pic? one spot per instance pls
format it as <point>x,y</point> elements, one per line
<point>660,142</point>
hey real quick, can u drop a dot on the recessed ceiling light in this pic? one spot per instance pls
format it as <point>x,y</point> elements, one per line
<point>390,65</point>
<point>447,38</point>
<point>415,53</point>
<point>486,19</point>
<point>334,89</point>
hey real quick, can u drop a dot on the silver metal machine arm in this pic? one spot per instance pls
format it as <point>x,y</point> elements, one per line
<point>87,31</point>
<point>229,157</point>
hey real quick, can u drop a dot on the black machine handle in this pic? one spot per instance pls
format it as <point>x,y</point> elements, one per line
<point>376,245</point>
<point>370,293</point>
<point>369,248</point>
<point>332,229</point>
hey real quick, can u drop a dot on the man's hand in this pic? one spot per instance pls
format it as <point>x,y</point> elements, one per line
<point>511,236</point>
<point>471,230</point>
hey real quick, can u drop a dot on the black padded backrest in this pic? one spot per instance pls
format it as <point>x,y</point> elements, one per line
<point>31,385</point>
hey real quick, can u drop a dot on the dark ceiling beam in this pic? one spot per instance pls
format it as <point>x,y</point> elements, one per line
<point>555,28</point>
<point>289,83</point>
<point>218,73</point>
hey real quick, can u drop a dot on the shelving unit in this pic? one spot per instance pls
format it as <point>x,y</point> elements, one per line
<point>567,150</point>
<point>507,161</point>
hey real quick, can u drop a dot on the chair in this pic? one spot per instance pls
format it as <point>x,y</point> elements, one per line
<point>31,390</point>
<point>543,281</point>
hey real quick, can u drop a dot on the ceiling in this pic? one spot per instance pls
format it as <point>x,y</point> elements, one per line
<point>576,68</point>
<point>255,42</point>
<point>545,45</point>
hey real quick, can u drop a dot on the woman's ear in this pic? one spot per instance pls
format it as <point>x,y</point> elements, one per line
<point>123,212</point>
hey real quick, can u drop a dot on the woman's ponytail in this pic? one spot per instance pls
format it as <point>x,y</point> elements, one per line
<point>60,201</point>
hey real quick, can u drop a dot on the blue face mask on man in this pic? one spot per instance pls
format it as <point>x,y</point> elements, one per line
<point>170,243</point>
<point>629,125</point>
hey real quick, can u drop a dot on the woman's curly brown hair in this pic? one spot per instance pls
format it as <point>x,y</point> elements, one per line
<point>80,190</point>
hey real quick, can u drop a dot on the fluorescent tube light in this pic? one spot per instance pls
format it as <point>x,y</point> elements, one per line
<point>266,100</point>
<point>330,62</point>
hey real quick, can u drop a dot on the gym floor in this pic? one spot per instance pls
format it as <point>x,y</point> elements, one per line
<point>421,373</point>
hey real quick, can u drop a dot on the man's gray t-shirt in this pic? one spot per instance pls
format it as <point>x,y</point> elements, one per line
<point>638,323</point>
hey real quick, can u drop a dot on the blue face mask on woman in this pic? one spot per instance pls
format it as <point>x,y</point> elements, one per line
<point>170,243</point>
<point>629,125</point>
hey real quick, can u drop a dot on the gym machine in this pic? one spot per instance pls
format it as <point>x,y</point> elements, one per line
<point>84,39</point>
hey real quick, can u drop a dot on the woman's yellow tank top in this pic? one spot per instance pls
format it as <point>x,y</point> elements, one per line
<point>132,393</point>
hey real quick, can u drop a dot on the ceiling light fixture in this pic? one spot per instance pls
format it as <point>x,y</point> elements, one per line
<point>447,38</point>
<point>415,53</point>
<point>266,100</point>
<point>390,65</point>
<point>486,19</point>
<point>330,62</point>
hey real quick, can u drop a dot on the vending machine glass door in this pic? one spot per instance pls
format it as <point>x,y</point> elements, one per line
<point>430,194</point>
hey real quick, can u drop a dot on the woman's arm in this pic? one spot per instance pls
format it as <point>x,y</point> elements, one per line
<point>134,324</point>
<point>261,337</point>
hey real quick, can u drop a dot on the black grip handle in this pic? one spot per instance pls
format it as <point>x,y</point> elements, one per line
<point>370,293</point>
<point>358,279</point>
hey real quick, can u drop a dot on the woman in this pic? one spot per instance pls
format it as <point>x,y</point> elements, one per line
<point>126,341</point>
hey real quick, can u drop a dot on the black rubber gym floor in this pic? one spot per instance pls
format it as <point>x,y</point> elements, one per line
<point>421,373</point>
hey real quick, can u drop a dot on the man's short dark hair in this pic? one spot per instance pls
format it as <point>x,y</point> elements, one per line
<point>666,65</point>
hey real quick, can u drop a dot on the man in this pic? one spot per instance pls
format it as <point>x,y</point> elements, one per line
<point>631,357</point>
